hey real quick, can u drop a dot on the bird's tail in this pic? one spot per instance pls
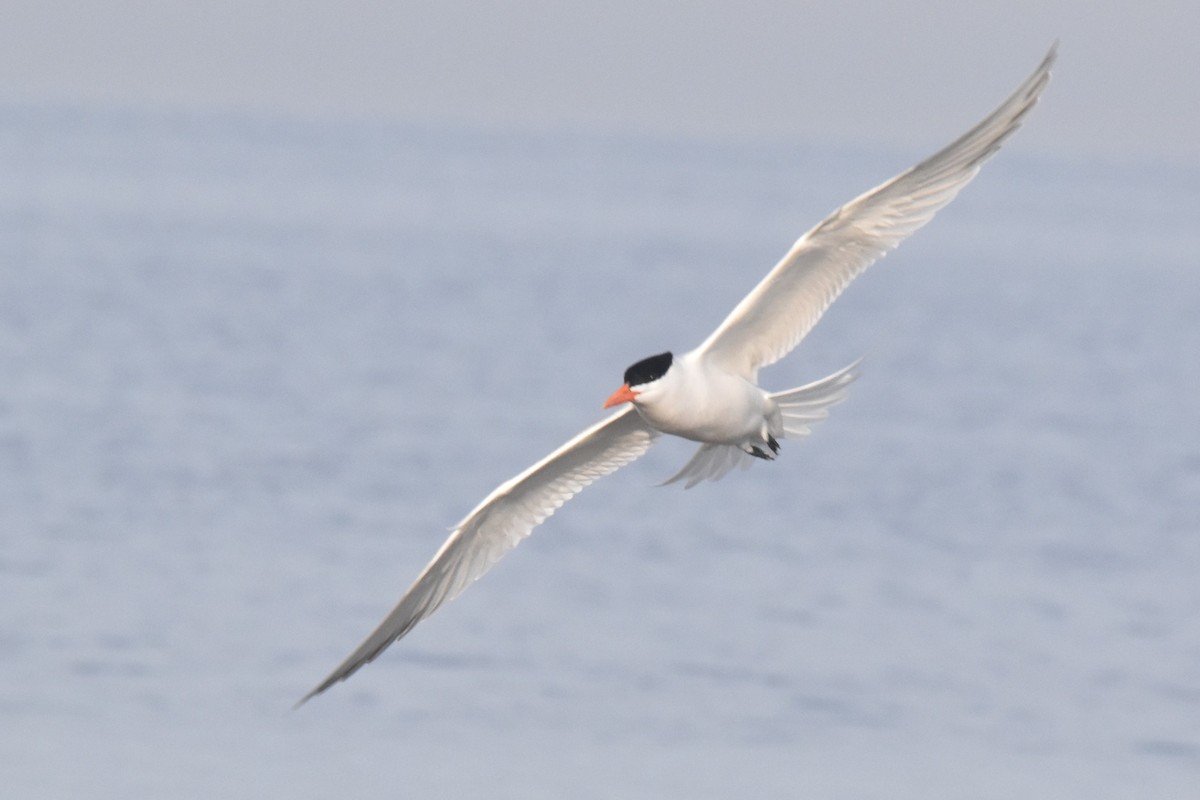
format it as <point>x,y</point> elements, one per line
<point>808,404</point>
<point>798,409</point>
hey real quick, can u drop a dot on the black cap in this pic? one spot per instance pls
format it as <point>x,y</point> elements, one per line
<point>648,369</point>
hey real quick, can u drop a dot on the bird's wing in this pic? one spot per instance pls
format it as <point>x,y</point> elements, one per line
<point>784,307</point>
<point>504,518</point>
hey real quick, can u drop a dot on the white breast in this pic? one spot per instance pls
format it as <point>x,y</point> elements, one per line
<point>697,401</point>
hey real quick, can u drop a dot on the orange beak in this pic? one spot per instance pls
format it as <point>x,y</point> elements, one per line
<point>622,395</point>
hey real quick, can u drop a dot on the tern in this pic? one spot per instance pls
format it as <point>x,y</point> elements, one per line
<point>711,394</point>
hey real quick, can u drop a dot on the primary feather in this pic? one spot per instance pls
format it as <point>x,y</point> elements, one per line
<point>504,518</point>
<point>787,303</point>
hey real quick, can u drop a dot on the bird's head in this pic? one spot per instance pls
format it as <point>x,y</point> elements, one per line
<point>641,377</point>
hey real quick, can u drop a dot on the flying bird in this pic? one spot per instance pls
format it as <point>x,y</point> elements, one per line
<point>711,394</point>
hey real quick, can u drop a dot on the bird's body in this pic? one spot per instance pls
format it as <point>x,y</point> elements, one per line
<point>711,394</point>
<point>721,407</point>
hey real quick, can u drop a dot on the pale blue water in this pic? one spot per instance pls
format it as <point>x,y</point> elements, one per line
<point>251,370</point>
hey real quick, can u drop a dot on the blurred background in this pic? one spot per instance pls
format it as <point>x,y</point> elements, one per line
<point>285,289</point>
<point>871,73</point>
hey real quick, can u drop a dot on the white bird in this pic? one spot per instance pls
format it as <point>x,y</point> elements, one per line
<point>711,394</point>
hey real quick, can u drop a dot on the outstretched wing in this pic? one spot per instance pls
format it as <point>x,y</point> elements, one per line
<point>784,307</point>
<point>504,518</point>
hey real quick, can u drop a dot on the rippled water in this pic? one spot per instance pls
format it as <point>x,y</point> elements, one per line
<point>251,370</point>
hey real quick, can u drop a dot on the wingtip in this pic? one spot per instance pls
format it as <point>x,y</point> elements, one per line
<point>337,676</point>
<point>1041,75</point>
<point>310,696</point>
<point>1051,57</point>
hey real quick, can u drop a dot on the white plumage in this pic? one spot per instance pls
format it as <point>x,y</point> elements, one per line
<point>710,394</point>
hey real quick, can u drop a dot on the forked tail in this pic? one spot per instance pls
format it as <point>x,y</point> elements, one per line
<point>808,404</point>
